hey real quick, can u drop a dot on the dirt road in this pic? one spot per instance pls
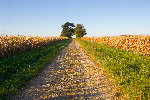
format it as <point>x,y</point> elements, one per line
<point>71,75</point>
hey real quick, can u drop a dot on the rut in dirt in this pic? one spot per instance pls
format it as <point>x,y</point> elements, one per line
<point>71,75</point>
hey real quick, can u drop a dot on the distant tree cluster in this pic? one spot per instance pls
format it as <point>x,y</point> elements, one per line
<point>69,30</point>
<point>79,31</point>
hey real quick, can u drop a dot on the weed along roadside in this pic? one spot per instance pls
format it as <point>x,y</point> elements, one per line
<point>131,71</point>
<point>16,71</point>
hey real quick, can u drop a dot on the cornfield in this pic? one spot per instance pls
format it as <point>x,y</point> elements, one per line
<point>135,43</point>
<point>10,45</point>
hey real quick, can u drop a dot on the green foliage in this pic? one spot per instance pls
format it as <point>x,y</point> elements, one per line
<point>68,30</point>
<point>131,71</point>
<point>16,71</point>
<point>79,31</point>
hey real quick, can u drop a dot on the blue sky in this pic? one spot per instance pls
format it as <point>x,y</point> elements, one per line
<point>100,17</point>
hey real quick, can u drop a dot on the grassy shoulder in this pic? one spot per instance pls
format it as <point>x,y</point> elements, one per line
<point>130,71</point>
<point>16,71</point>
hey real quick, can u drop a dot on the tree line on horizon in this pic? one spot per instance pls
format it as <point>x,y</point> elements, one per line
<point>69,29</point>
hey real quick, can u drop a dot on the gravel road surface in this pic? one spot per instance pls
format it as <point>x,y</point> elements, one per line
<point>71,75</point>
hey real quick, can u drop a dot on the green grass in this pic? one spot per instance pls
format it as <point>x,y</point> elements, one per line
<point>130,71</point>
<point>16,71</point>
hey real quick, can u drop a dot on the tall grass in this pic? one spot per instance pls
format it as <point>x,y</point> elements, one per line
<point>131,71</point>
<point>135,43</point>
<point>16,71</point>
<point>11,45</point>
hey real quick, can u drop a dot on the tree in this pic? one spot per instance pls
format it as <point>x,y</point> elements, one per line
<point>79,31</point>
<point>68,30</point>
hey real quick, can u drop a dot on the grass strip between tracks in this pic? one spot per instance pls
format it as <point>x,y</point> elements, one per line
<point>130,71</point>
<point>16,71</point>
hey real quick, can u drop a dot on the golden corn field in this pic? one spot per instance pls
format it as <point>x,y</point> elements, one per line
<point>135,43</point>
<point>13,44</point>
